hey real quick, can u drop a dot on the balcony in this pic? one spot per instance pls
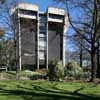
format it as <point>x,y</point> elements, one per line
<point>57,11</point>
<point>42,43</point>
<point>41,55</point>
<point>56,18</point>
<point>42,35</point>
<point>27,16</point>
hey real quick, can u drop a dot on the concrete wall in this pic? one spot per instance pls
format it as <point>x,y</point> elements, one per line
<point>25,6</point>
<point>54,10</point>
<point>53,45</point>
<point>29,30</point>
<point>54,41</point>
<point>28,41</point>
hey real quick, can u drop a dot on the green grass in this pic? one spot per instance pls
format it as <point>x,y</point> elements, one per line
<point>45,90</point>
<point>22,74</point>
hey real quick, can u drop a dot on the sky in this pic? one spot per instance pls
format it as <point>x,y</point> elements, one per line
<point>43,4</point>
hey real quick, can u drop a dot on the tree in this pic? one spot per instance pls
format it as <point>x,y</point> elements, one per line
<point>10,30</point>
<point>2,52</point>
<point>2,1</point>
<point>1,33</point>
<point>87,26</point>
<point>98,60</point>
<point>12,26</point>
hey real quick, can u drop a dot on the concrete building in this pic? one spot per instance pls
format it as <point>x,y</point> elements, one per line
<point>40,35</point>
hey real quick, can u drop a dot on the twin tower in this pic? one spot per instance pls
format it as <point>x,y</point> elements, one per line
<point>40,36</point>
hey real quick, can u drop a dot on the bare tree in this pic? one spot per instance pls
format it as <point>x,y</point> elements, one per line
<point>1,33</point>
<point>87,27</point>
<point>10,29</point>
<point>13,25</point>
<point>2,1</point>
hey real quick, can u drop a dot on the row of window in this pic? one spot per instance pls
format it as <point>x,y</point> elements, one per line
<point>56,16</point>
<point>27,12</point>
<point>42,18</point>
<point>42,54</point>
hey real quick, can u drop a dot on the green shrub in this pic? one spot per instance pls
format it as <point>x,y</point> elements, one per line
<point>27,74</point>
<point>73,66</point>
<point>73,71</point>
<point>31,75</point>
<point>56,70</point>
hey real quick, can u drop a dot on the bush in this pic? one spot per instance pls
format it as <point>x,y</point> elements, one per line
<point>73,66</point>
<point>31,75</point>
<point>56,70</point>
<point>74,71</point>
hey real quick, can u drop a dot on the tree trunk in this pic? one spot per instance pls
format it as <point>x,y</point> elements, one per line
<point>93,64</point>
<point>98,62</point>
<point>17,70</point>
<point>81,56</point>
<point>16,60</point>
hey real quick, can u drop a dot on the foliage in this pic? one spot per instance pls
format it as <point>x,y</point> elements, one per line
<point>56,70</point>
<point>2,1</point>
<point>1,32</point>
<point>7,75</point>
<point>72,66</point>
<point>2,52</point>
<point>23,75</point>
<point>74,71</point>
<point>7,53</point>
<point>31,75</point>
<point>86,26</point>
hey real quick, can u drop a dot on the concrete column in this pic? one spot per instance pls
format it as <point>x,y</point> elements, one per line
<point>63,47</point>
<point>19,36</point>
<point>37,41</point>
<point>47,43</point>
<point>65,28</point>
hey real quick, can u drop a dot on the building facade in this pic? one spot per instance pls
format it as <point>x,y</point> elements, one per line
<point>40,35</point>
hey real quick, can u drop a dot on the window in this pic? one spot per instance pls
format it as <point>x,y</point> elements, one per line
<point>42,24</point>
<point>41,55</point>
<point>42,43</point>
<point>42,39</point>
<point>42,28</point>
<point>28,12</point>
<point>56,16</point>
<point>42,48</point>
<point>42,35</point>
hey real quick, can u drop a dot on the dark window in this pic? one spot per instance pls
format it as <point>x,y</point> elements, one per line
<point>56,16</point>
<point>42,39</point>
<point>43,33</point>
<point>27,12</point>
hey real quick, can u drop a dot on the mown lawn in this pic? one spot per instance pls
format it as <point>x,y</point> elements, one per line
<point>44,90</point>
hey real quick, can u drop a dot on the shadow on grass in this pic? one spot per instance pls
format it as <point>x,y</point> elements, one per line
<point>12,73</point>
<point>40,93</point>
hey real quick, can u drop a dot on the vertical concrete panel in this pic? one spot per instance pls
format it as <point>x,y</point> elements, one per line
<point>53,45</point>
<point>28,38</point>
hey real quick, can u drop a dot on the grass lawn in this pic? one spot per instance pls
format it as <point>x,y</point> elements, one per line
<point>44,90</point>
